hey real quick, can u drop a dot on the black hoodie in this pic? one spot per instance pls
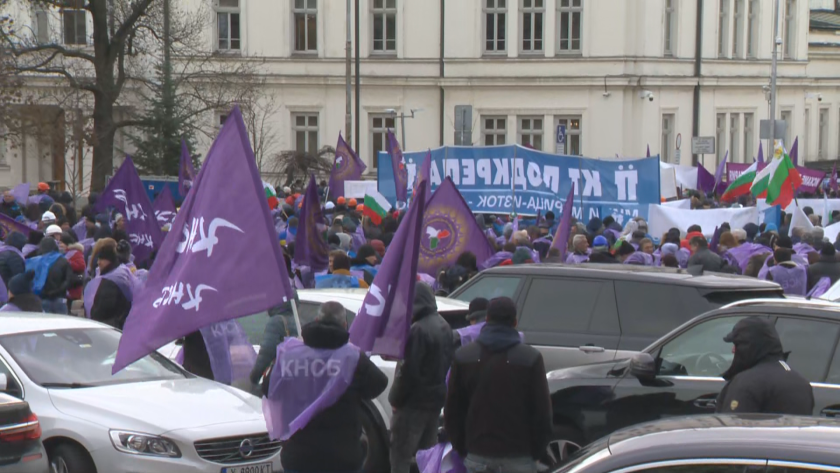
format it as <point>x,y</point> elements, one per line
<point>330,441</point>
<point>759,379</point>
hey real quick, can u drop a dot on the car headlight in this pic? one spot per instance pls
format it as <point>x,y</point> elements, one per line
<point>136,443</point>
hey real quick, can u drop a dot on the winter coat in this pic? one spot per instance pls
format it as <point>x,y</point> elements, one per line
<point>27,303</point>
<point>196,358</point>
<point>10,210</point>
<point>827,267</point>
<point>11,264</point>
<point>110,305</point>
<point>707,259</point>
<point>77,265</point>
<point>330,441</point>
<point>273,335</point>
<point>420,379</point>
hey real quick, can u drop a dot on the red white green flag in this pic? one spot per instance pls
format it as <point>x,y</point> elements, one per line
<point>742,185</point>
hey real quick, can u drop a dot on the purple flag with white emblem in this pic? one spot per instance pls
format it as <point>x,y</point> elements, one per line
<point>400,171</point>
<point>164,207</point>
<point>381,327</point>
<point>449,229</point>
<point>347,166</point>
<point>125,192</point>
<point>221,261</point>
<point>186,171</point>
<point>720,169</point>
<point>561,238</point>
<point>310,247</point>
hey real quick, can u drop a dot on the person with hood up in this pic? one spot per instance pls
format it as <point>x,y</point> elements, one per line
<point>419,388</point>
<point>340,276</point>
<point>498,409</point>
<point>330,440</point>
<point>21,298</point>
<point>366,260</point>
<point>760,381</point>
<point>52,276</point>
<point>9,206</point>
<point>12,261</point>
<point>109,300</point>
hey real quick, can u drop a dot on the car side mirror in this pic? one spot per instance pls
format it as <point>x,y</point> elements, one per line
<point>643,367</point>
<point>4,381</point>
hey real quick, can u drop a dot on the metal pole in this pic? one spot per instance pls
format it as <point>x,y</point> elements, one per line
<point>402,124</point>
<point>358,87</point>
<point>777,40</point>
<point>348,115</point>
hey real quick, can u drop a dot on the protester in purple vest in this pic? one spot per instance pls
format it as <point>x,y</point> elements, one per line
<point>12,261</point>
<point>498,410</point>
<point>108,296</point>
<point>792,277</point>
<point>315,394</point>
<point>581,253</point>
<point>476,319</point>
<point>21,298</point>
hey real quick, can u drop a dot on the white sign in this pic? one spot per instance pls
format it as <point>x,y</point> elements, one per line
<point>703,145</point>
<point>677,156</point>
<point>358,189</point>
<point>560,140</point>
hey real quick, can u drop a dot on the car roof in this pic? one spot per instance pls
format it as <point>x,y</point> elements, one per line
<point>23,322</point>
<point>793,306</point>
<point>637,273</point>
<point>352,299</point>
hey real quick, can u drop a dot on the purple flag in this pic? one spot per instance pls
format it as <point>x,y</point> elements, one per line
<point>794,152</point>
<point>310,247</point>
<point>441,458</point>
<point>21,193</point>
<point>424,175</point>
<point>400,171</point>
<point>381,327</point>
<point>164,207</point>
<point>713,245</point>
<point>561,238</point>
<point>9,225</point>
<point>833,181</point>
<point>358,237</point>
<point>186,171</point>
<point>125,192</point>
<point>80,229</point>
<point>347,166</point>
<point>760,154</point>
<point>720,169</point>
<point>297,395</point>
<point>811,179</point>
<point>821,287</point>
<point>220,262</point>
<point>705,180</point>
<point>514,224</point>
<point>449,229</point>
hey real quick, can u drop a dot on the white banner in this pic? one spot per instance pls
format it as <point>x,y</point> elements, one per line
<point>832,231</point>
<point>686,176</point>
<point>358,189</point>
<point>817,204</point>
<point>667,183</point>
<point>661,219</point>
<point>799,219</point>
<point>684,204</point>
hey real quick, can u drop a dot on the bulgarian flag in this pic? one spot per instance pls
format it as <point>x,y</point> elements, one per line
<point>271,195</point>
<point>783,183</point>
<point>376,206</point>
<point>740,186</point>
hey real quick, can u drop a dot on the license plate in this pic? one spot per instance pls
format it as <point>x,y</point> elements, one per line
<point>258,468</point>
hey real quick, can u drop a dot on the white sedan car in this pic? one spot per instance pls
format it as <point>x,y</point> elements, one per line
<point>377,422</point>
<point>150,417</point>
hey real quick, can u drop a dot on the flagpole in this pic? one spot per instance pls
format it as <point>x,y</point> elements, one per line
<point>513,182</point>
<point>297,318</point>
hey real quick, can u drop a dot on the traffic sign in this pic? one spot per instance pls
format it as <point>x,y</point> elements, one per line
<point>679,141</point>
<point>703,145</point>
<point>560,140</point>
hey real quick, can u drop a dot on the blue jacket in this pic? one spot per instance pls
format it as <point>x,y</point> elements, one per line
<point>335,281</point>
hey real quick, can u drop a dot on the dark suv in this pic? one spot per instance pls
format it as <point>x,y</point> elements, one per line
<point>680,373</point>
<point>579,314</point>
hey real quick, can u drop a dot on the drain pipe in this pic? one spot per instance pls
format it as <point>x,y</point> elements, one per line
<point>441,103</point>
<point>698,73</point>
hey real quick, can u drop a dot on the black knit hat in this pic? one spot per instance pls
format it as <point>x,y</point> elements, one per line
<point>478,309</point>
<point>22,283</point>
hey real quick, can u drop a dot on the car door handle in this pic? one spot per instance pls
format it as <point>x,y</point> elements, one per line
<point>828,412</point>
<point>591,349</point>
<point>706,402</point>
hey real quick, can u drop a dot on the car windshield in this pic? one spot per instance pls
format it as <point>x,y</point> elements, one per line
<point>82,358</point>
<point>833,293</point>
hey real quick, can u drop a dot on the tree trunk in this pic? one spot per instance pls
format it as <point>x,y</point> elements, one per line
<point>103,149</point>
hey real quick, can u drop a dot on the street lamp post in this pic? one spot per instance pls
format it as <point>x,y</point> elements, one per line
<point>777,40</point>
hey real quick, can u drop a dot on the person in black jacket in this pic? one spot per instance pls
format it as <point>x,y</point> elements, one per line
<point>759,379</point>
<point>9,207</point>
<point>419,388</point>
<point>498,409</point>
<point>703,256</point>
<point>12,262</point>
<point>21,297</point>
<point>827,267</point>
<point>196,358</point>
<point>329,443</point>
<point>275,332</point>
<point>59,277</point>
<point>110,305</point>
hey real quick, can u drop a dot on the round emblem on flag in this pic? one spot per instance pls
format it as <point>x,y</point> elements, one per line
<point>342,165</point>
<point>442,239</point>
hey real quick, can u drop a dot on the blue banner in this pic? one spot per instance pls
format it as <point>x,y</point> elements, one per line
<point>507,179</point>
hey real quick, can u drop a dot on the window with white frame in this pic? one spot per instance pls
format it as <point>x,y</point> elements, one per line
<point>790,29</point>
<point>532,15</point>
<point>670,27</point>
<point>494,130</point>
<point>379,126</point>
<point>720,133</point>
<point>306,25</point>
<point>723,28</point>
<point>573,136</point>
<point>495,26</point>
<point>669,143</point>
<point>739,17</point>
<point>384,26</point>
<point>305,131</point>
<point>74,21</point>
<point>228,33</point>
<point>749,136</point>
<point>570,25</point>
<point>822,153</point>
<point>41,24</point>
<point>735,138</point>
<point>531,132</point>
<point>787,117</point>
<point>753,28</point>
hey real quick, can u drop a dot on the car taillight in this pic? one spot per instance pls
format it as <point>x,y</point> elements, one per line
<point>29,429</point>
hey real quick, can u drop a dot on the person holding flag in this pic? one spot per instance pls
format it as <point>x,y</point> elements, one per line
<point>778,181</point>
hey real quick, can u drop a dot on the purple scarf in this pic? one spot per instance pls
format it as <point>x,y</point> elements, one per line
<point>231,354</point>
<point>495,260</point>
<point>793,280</point>
<point>639,259</point>
<point>303,383</point>
<point>121,276</point>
